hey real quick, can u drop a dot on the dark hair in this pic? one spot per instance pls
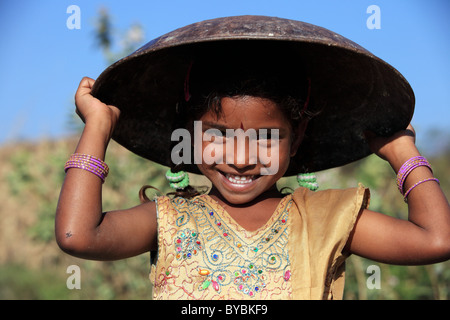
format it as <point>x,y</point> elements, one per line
<point>256,71</point>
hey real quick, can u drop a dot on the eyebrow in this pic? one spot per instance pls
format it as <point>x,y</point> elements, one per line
<point>223,128</point>
<point>215,125</point>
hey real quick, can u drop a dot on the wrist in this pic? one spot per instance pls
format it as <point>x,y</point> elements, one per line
<point>398,156</point>
<point>100,127</point>
<point>94,140</point>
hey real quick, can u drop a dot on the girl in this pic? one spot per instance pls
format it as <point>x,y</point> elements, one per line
<point>245,239</point>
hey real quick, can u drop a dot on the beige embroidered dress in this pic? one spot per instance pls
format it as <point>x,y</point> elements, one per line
<point>204,254</point>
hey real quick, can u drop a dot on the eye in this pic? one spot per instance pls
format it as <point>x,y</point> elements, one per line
<point>266,134</point>
<point>213,135</point>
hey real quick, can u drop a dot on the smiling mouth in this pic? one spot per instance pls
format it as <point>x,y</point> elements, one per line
<point>240,179</point>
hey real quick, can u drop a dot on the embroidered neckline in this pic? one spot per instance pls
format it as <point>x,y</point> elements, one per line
<point>229,254</point>
<point>213,256</point>
<point>248,234</point>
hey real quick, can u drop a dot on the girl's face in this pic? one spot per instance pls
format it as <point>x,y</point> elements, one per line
<point>240,172</point>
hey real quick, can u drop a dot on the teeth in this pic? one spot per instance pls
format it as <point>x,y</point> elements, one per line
<point>239,179</point>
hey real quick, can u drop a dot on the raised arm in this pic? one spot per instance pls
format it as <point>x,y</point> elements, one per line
<point>81,228</point>
<point>425,237</point>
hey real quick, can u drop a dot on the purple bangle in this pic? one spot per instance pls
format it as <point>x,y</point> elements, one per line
<point>405,198</point>
<point>100,175</point>
<point>407,168</point>
<point>88,163</point>
<point>85,157</point>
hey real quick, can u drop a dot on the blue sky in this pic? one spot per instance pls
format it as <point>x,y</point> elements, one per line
<point>42,61</point>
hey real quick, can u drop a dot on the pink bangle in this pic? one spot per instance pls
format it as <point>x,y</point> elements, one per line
<point>88,163</point>
<point>407,168</point>
<point>415,185</point>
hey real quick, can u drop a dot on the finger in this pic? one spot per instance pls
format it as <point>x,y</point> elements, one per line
<point>411,129</point>
<point>85,86</point>
<point>87,82</point>
<point>411,134</point>
<point>116,111</point>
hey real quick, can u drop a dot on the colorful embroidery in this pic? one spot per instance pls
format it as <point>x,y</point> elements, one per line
<point>215,256</point>
<point>187,244</point>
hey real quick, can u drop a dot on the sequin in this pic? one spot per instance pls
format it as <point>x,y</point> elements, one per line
<point>287,275</point>
<point>203,272</point>
<point>206,284</point>
<point>187,244</point>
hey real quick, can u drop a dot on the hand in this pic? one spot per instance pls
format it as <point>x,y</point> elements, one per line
<point>397,146</point>
<point>92,110</point>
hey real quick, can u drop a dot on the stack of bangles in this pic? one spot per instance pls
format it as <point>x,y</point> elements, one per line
<point>88,163</point>
<point>406,169</point>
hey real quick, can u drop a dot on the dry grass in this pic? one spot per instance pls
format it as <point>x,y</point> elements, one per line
<point>33,267</point>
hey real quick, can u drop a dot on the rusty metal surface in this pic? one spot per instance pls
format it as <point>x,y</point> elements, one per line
<point>359,91</point>
<point>250,27</point>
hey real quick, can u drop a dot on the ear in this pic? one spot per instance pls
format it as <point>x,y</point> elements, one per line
<point>299,134</point>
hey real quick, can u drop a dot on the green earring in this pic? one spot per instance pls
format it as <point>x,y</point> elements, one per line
<point>308,180</point>
<point>177,180</point>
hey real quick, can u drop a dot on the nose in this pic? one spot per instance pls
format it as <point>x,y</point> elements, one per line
<point>241,153</point>
<point>242,168</point>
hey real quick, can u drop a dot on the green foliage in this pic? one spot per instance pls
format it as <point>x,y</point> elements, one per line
<point>398,282</point>
<point>19,282</point>
<point>20,176</point>
<point>34,175</point>
<point>34,179</point>
<point>114,44</point>
<point>32,267</point>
